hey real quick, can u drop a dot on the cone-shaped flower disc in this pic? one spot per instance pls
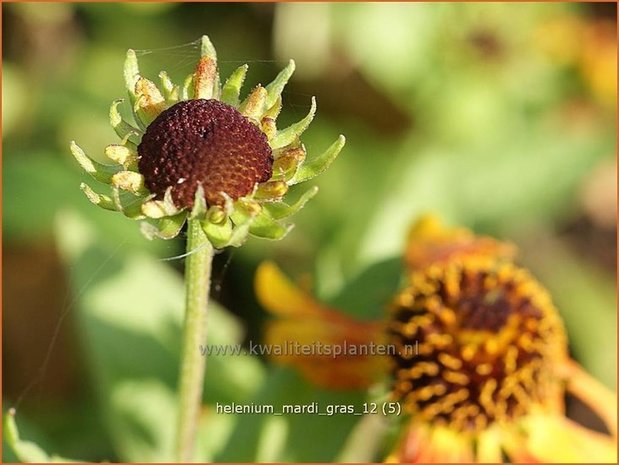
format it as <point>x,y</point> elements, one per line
<point>198,151</point>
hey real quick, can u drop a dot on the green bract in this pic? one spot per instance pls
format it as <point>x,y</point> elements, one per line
<point>228,221</point>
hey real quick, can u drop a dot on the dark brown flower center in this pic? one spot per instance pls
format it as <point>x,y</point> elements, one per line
<point>207,142</point>
<point>475,343</point>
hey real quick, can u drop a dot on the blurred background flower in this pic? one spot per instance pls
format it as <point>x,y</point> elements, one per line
<point>501,117</point>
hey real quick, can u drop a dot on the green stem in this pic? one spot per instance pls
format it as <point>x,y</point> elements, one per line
<point>193,364</point>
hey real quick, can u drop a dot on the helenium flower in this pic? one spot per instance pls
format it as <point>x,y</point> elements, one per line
<point>198,151</point>
<point>480,365</point>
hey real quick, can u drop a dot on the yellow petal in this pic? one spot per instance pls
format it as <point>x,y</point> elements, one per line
<point>433,444</point>
<point>489,446</point>
<point>554,438</point>
<point>279,296</point>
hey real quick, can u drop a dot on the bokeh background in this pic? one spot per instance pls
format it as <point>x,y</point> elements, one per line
<point>498,117</point>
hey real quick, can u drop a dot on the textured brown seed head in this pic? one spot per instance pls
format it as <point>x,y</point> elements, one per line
<point>475,343</point>
<point>207,142</point>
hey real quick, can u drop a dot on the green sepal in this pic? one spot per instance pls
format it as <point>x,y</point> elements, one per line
<point>207,49</point>
<point>123,129</point>
<point>131,73</point>
<point>199,204</point>
<point>273,111</point>
<point>218,234</point>
<point>27,451</point>
<point>279,210</point>
<point>170,90</point>
<point>101,200</point>
<point>157,209</point>
<point>99,171</point>
<point>124,155</point>
<point>242,222</point>
<point>164,228</point>
<point>206,79</point>
<point>276,87</point>
<point>265,227</point>
<point>253,106</point>
<point>271,190</point>
<point>317,165</point>
<point>148,104</point>
<point>187,90</point>
<point>130,181</point>
<point>232,87</point>
<point>291,133</point>
<point>130,205</point>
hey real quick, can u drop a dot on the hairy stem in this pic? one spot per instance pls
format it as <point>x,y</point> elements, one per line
<point>193,364</point>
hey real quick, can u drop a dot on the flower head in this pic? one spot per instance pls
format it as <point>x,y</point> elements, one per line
<point>487,338</point>
<point>480,364</point>
<point>197,151</point>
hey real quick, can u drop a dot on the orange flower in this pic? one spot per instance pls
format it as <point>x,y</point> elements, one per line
<point>489,370</point>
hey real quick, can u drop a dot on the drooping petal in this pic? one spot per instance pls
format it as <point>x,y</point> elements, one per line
<point>280,296</point>
<point>329,353</point>
<point>329,348</point>
<point>594,394</point>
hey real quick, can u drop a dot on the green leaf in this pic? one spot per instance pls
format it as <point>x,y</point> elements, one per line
<point>130,309</point>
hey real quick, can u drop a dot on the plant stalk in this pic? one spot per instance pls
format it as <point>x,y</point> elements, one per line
<point>193,363</point>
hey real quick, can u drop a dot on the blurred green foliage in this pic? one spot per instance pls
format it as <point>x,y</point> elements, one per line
<point>494,116</point>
